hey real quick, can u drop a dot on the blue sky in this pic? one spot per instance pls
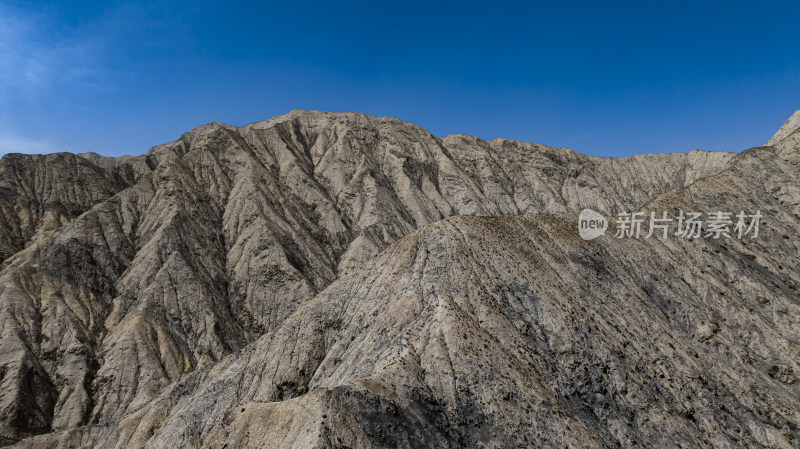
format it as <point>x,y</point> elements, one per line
<point>603,78</point>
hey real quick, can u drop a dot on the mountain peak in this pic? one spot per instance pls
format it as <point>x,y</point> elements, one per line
<point>791,125</point>
<point>356,279</point>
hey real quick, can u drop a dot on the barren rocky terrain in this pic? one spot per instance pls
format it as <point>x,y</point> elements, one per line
<point>339,280</point>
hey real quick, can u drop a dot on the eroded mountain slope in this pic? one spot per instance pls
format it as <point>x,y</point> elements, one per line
<point>49,190</point>
<point>514,332</point>
<point>224,233</point>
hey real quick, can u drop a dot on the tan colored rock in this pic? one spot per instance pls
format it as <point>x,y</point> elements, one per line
<point>237,293</point>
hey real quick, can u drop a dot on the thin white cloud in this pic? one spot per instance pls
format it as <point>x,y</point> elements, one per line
<point>38,61</point>
<point>47,63</point>
<point>34,57</point>
<point>19,144</point>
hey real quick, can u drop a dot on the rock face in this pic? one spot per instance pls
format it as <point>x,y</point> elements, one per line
<point>37,192</point>
<point>298,283</point>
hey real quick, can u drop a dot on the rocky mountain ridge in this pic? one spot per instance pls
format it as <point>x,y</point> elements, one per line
<point>234,264</point>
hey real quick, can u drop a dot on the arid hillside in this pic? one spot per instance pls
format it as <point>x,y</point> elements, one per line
<point>340,280</point>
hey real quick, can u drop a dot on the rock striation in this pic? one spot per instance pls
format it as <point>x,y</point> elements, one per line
<point>298,283</point>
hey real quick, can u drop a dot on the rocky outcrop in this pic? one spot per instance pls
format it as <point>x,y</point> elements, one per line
<point>791,125</point>
<point>43,191</point>
<point>235,293</point>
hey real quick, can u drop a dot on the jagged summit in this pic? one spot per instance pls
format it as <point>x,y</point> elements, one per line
<point>349,118</point>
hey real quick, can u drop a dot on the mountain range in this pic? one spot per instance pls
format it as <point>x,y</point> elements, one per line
<point>335,280</point>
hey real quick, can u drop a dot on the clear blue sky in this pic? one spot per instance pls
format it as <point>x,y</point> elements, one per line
<point>603,78</point>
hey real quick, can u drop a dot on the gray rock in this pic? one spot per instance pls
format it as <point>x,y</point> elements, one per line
<point>239,290</point>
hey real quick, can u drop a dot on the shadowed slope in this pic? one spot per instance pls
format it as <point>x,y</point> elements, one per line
<point>504,332</point>
<point>227,231</point>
